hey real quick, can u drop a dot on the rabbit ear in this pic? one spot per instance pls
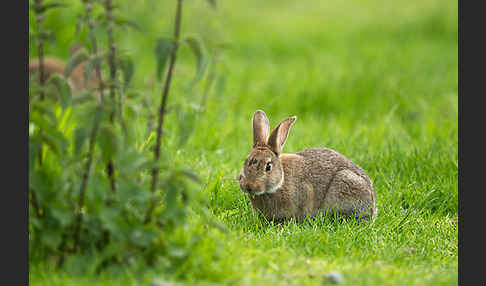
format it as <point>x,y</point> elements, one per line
<point>261,128</point>
<point>279,135</point>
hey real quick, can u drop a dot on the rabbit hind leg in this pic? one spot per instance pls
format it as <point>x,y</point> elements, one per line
<point>350,195</point>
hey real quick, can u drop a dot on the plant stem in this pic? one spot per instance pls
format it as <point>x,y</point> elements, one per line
<point>113,66</point>
<point>92,138</point>
<point>165,93</point>
<point>35,204</point>
<point>40,47</point>
<point>82,191</point>
<point>39,17</point>
<point>92,38</point>
<point>111,57</point>
<point>111,62</point>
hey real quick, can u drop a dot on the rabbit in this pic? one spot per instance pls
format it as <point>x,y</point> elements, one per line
<point>54,65</point>
<point>282,186</point>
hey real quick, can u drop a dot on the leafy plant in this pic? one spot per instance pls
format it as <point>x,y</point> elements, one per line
<point>84,212</point>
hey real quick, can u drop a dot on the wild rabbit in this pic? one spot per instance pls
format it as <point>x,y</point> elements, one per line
<point>282,186</point>
<point>53,65</point>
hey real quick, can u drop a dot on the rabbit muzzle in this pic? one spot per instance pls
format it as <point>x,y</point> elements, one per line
<point>248,187</point>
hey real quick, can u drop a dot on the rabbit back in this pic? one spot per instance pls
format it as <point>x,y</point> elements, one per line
<point>338,183</point>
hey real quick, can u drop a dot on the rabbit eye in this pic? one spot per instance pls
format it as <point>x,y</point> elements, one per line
<point>268,167</point>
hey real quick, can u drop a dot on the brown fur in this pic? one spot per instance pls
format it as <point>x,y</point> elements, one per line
<point>314,180</point>
<point>54,65</point>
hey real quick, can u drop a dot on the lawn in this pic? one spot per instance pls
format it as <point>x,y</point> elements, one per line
<point>374,80</point>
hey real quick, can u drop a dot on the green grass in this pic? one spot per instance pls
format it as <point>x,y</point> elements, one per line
<point>374,80</point>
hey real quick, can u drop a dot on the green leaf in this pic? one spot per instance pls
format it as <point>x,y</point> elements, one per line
<point>131,161</point>
<point>77,58</point>
<point>80,136</point>
<point>108,142</point>
<point>111,250</point>
<point>82,97</point>
<point>189,174</point>
<point>127,67</point>
<point>143,237</point>
<point>126,23</point>
<point>171,205</point>
<point>201,59</point>
<point>34,152</point>
<point>52,5</point>
<point>180,177</point>
<point>162,51</point>
<point>79,22</point>
<point>50,135</point>
<point>62,89</point>
<point>150,139</point>
<point>132,191</point>
<point>63,216</point>
<point>177,252</point>
<point>55,5</point>
<point>89,68</point>
<point>41,8</point>
<point>176,185</point>
<point>54,144</point>
<point>220,85</point>
<point>32,33</point>
<point>51,238</point>
<point>186,122</point>
<point>133,94</point>
<point>109,218</point>
<point>89,111</point>
<point>212,3</point>
<point>76,264</point>
<point>45,110</point>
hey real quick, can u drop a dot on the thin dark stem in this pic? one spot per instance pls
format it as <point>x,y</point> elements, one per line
<point>112,86</point>
<point>62,248</point>
<point>112,53</point>
<point>42,76</point>
<point>40,47</point>
<point>165,93</point>
<point>110,170</point>
<point>113,66</point>
<point>94,46</point>
<point>82,191</point>
<point>35,204</point>
<point>92,138</point>
<point>39,17</point>
<point>120,113</point>
<point>151,116</point>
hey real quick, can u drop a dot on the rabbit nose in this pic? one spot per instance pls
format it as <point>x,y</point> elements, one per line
<point>249,188</point>
<point>245,188</point>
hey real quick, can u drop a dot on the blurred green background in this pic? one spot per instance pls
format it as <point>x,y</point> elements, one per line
<point>374,80</point>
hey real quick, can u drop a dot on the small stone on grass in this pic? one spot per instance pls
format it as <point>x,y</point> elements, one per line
<point>334,277</point>
<point>159,282</point>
